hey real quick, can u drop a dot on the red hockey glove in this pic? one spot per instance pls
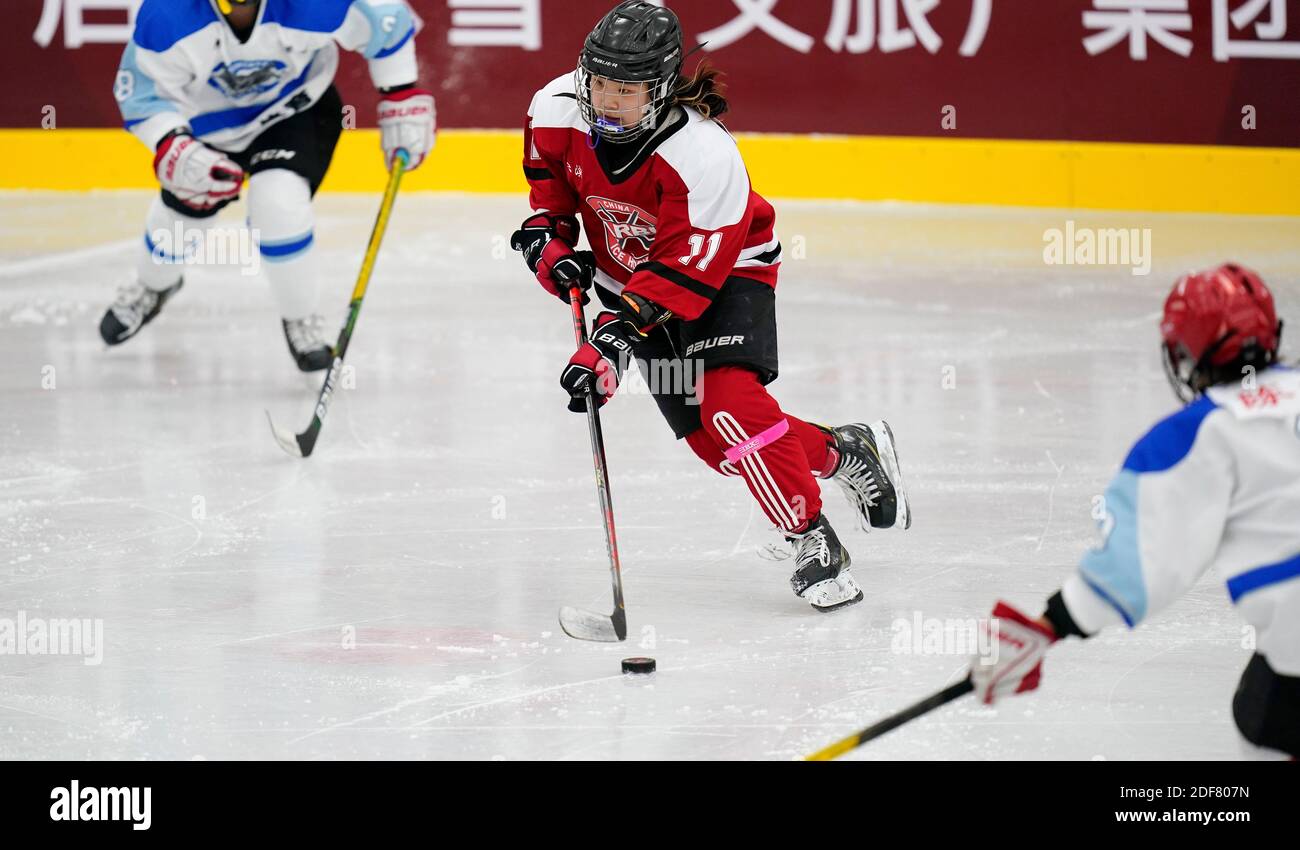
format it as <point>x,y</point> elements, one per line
<point>599,363</point>
<point>547,243</point>
<point>200,177</point>
<point>1013,660</point>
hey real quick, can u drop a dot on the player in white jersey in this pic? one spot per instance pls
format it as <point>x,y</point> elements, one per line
<point>227,89</point>
<point>1215,485</point>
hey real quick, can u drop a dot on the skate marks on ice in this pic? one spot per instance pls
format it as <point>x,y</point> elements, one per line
<point>397,598</point>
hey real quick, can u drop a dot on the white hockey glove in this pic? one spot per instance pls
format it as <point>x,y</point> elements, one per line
<point>408,120</point>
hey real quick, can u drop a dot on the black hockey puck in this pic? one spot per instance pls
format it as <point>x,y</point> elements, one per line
<point>638,665</point>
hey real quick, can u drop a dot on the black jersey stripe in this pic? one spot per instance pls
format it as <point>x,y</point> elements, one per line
<point>538,173</point>
<point>769,257</point>
<point>684,281</point>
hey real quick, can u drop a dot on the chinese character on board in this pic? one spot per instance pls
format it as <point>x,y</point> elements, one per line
<point>856,26</point>
<point>496,23</point>
<point>756,14</point>
<point>1267,42</point>
<point>1137,21</point>
<point>891,38</point>
<point>76,31</point>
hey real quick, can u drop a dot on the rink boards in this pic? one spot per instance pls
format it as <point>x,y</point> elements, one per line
<point>1084,175</point>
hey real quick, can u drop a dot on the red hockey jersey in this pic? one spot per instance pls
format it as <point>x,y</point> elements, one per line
<point>673,223</point>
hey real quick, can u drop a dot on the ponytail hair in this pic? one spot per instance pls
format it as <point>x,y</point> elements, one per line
<point>703,91</point>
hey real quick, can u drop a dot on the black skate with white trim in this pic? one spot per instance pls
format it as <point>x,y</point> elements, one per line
<point>821,572</point>
<point>869,474</point>
<point>307,343</point>
<point>136,305</point>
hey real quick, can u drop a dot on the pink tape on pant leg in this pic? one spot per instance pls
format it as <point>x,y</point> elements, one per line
<point>771,435</point>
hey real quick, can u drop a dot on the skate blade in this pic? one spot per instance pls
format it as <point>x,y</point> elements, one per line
<point>889,457</point>
<point>846,603</point>
<point>834,593</point>
<point>586,625</point>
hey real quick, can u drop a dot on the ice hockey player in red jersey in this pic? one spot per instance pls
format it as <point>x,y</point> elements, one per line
<point>1216,484</point>
<point>685,257</point>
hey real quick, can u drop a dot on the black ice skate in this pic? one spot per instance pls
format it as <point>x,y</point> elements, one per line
<point>822,568</point>
<point>136,306</point>
<point>869,474</point>
<point>308,347</point>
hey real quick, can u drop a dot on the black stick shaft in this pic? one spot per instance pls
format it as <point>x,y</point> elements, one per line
<point>889,724</point>
<point>602,472</point>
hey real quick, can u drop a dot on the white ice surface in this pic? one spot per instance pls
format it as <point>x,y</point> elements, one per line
<point>450,510</point>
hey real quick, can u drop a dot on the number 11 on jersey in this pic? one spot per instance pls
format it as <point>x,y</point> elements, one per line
<point>697,248</point>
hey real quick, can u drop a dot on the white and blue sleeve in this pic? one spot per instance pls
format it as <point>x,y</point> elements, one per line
<point>384,32</point>
<point>150,70</point>
<point>1164,517</point>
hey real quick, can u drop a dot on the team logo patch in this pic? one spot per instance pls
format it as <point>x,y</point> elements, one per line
<point>1264,397</point>
<point>247,77</point>
<point>629,231</point>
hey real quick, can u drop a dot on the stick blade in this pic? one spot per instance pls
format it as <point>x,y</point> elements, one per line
<point>599,628</point>
<point>287,439</point>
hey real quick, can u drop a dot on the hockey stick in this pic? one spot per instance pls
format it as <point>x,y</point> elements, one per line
<point>302,445</point>
<point>586,625</point>
<point>907,715</point>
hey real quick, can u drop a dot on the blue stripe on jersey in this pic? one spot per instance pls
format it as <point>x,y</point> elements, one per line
<point>1110,600</point>
<point>1114,571</point>
<point>308,15</point>
<point>1263,577</point>
<point>161,23</point>
<point>213,122</point>
<point>389,51</point>
<point>391,26</point>
<point>1169,441</point>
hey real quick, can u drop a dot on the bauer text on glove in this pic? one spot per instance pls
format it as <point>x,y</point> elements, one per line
<point>408,120</point>
<point>599,363</point>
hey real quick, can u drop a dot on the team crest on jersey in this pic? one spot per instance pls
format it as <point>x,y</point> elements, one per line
<point>629,231</point>
<point>247,77</point>
<point>1264,397</point>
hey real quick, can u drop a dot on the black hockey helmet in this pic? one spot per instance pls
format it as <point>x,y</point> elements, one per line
<point>635,43</point>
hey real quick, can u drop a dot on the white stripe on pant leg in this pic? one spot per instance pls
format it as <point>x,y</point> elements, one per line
<point>738,434</point>
<point>755,478</point>
<point>760,491</point>
<point>766,495</point>
<point>762,464</point>
<point>758,473</point>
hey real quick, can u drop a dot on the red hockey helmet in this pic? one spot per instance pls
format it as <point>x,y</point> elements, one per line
<point>1216,323</point>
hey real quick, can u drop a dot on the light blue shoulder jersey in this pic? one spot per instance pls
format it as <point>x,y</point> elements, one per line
<point>185,67</point>
<point>1216,484</point>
